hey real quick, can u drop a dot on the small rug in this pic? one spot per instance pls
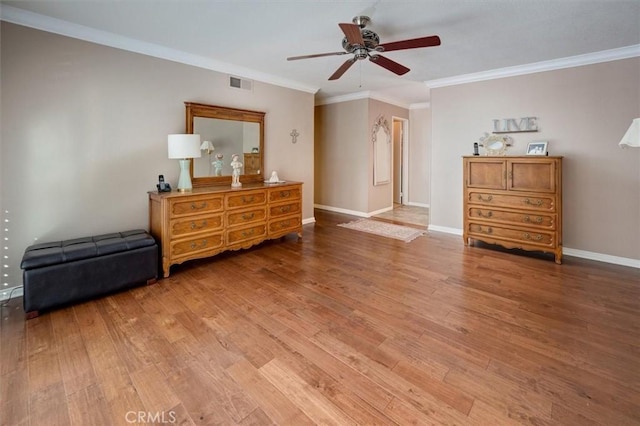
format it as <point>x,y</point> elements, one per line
<point>384,229</point>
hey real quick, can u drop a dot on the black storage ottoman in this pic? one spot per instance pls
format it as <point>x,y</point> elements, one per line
<point>64,272</point>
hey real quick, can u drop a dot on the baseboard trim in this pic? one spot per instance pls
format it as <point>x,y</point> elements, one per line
<point>309,220</point>
<point>444,229</point>
<point>340,210</point>
<point>601,257</point>
<point>12,292</point>
<point>418,205</point>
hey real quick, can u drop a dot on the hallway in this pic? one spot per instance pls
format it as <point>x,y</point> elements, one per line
<point>406,215</point>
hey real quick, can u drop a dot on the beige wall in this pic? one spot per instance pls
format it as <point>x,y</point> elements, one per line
<point>583,112</point>
<point>344,156</point>
<point>84,134</point>
<point>419,156</point>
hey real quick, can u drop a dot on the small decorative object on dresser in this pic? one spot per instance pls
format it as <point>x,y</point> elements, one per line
<point>236,165</point>
<point>515,202</point>
<point>214,219</point>
<point>495,144</point>
<point>537,148</point>
<point>252,163</point>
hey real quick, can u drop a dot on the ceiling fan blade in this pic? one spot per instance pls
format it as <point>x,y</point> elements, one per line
<point>317,55</point>
<point>387,63</point>
<point>352,32</point>
<point>413,43</point>
<point>343,68</point>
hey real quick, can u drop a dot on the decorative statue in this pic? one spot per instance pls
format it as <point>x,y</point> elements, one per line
<point>274,177</point>
<point>217,165</point>
<point>235,176</point>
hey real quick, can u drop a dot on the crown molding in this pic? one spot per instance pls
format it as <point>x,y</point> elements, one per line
<point>555,64</point>
<point>361,95</point>
<point>343,98</point>
<point>421,105</point>
<point>25,18</point>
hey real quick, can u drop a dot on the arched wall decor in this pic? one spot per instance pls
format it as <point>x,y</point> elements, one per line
<point>381,138</point>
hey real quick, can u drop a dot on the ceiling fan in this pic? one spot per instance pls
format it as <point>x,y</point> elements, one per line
<point>365,44</point>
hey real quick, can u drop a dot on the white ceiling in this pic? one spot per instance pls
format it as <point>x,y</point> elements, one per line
<point>252,39</point>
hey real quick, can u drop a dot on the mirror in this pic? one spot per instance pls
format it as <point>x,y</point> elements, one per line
<point>230,131</point>
<point>381,138</point>
<point>496,144</point>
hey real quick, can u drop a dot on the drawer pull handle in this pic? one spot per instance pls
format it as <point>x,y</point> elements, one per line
<point>488,215</point>
<point>285,209</point>
<point>201,206</point>
<point>247,200</point>
<point>528,236</point>
<point>202,225</point>
<point>537,203</point>
<point>246,234</point>
<point>284,224</point>
<point>489,198</point>
<point>249,216</point>
<point>527,219</point>
<point>203,244</point>
<point>285,194</point>
<point>489,230</point>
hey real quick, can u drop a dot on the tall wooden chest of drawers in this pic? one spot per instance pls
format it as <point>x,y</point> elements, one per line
<point>211,220</point>
<point>515,202</point>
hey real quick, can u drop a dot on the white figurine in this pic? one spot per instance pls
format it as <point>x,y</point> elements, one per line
<point>274,177</point>
<point>217,165</point>
<point>235,176</point>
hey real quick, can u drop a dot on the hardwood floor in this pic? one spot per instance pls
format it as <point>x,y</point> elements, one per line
<point>340,328</point>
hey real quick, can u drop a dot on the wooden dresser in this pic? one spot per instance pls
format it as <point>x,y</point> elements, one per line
<point>211,220</point>
<point>515,202</point>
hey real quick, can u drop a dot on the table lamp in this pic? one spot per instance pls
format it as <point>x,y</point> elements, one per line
<point>184,147</point>
<point>632,137</point>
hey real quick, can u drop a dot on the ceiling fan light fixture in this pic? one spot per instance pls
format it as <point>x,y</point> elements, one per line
<point>361,53</point>
<point>361,21</point>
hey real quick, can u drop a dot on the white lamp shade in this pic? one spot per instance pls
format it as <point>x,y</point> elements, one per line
<point>632,137</point>
<point>184,146</point>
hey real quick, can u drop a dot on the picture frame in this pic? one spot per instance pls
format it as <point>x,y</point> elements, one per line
<point>537,148</point>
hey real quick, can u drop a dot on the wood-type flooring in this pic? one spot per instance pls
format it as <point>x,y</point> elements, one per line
<point>340,328</point>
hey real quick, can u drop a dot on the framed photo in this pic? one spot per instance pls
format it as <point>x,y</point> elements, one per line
<point>537,148</point>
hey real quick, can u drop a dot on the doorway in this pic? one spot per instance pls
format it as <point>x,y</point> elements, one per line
<point>400,160</point>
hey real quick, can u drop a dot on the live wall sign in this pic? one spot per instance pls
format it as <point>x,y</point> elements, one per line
<point>513,125</point>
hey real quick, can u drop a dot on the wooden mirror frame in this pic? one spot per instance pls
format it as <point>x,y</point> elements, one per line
<point>211,111</point>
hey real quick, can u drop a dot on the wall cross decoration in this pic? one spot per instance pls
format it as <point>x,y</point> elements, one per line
<point>294,136</point>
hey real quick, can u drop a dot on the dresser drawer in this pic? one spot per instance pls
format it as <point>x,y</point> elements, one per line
<point>542,220</point>
<point>285,209</point>
<point>285,225</point>
<point>246,199</point>
<point>196,224</point>
<point>535,202</point>
<point>246,216</point>
<point>529,237</point>
<point>245,234</point>
<point>284,194</point>
<point>195,205</point>
<point>195,245</point>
